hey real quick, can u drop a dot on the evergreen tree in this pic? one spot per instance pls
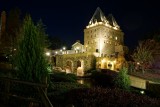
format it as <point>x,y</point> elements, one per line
<point>30,60</point>
<point>122,80</point>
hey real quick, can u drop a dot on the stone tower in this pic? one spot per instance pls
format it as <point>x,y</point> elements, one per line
<point>103,35</point>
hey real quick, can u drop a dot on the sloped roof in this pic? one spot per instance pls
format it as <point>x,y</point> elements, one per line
<point>98,16</point>
<point>112,21</point>
<point>77,42</point>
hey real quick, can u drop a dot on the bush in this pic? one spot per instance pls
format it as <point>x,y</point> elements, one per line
<point>63,77</point>
<point>122,80</point>
<point>99,97</point>
<point>153,90</point>
<point>57,92</point>
<point>104,78</point>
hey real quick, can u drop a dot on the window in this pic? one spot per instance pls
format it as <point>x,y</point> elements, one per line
<point>96,50</point>
<point>116,38</point>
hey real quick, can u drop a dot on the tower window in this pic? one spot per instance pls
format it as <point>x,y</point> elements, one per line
<point>116,38</point>
<point>96,50</point>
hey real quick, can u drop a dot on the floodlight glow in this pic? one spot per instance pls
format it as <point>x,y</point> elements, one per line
<point>48,53</point>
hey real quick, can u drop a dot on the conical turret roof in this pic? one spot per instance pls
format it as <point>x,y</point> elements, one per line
<point>112,21</point>
<point>98,16</point>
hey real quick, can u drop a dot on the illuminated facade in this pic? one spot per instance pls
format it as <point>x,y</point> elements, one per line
<point>103,47</point>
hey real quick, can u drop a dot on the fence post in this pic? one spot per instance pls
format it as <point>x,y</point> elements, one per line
<point>6,91</point>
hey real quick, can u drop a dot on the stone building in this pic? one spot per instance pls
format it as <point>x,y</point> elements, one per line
<point>103,47</point>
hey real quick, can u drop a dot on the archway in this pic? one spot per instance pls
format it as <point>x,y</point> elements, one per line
<point>69,66</point>
<point>80,68</point>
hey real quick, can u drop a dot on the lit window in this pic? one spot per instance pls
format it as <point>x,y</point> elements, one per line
<point>116,38</point>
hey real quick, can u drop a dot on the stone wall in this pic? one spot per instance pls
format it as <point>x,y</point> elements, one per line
<point>87,61</point>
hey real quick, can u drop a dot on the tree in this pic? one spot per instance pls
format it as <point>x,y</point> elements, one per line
<point>143,54</point>
<point>56,43</point>
<point>30,60</point>
<point>122,80</point>
<point>13,25</point>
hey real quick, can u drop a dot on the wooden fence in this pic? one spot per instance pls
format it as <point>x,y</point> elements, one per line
<point>33,94</point>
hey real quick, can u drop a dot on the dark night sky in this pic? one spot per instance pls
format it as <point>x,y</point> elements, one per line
<point>68,18</point>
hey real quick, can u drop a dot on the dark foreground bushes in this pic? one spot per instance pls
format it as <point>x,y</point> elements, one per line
<point>63,77</point>
<point>104,78</point>
<point>57,93</point>
<point>99,97</point>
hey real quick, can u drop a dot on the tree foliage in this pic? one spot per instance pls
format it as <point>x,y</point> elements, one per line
<point>122,80</point>
<point>144,53</point>
<point>30,60</point>
<point>56,43</point>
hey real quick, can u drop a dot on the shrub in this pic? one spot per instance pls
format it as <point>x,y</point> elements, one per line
<point>63,77</point>
<point>57,92</point>
<point>104,78</point>
<point>99,97</point>
<point>122,80</point>
<point>153,90</point>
